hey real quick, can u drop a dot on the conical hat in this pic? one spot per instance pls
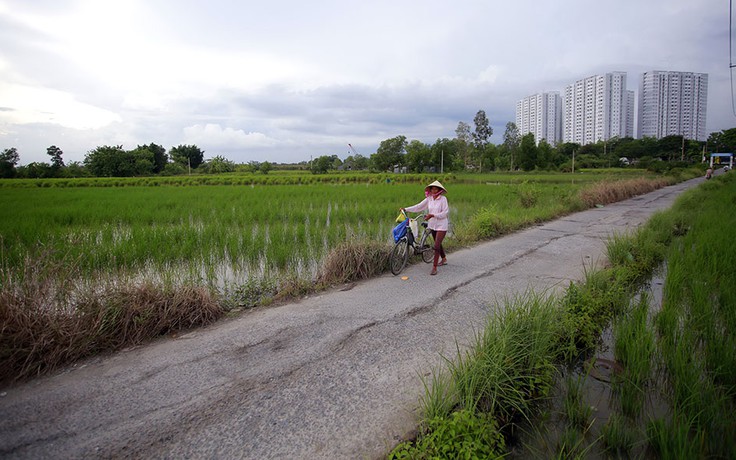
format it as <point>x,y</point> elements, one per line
<point>436,184</point>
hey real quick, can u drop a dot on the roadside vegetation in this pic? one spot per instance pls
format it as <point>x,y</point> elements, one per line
<point>529,379</point>
<point>90,265</point>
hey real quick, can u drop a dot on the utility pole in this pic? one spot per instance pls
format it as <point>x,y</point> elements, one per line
<point>573,161</point>
<point>682,156</point>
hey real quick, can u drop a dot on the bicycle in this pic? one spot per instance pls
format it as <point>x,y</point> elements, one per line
<point>400,253</point>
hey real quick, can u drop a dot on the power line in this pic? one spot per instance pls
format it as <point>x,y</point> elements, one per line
<point>730,53</point>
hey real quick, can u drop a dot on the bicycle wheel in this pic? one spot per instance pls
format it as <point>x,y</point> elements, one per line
<point>399,256</point>
<point>426,248</point>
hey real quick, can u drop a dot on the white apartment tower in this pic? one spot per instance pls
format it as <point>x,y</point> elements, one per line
<point>541,115</point>
<point>598,108</point>
<point>673,104</point>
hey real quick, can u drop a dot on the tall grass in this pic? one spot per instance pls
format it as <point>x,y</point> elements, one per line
<point>49,318</point>
<point>497,378</point>
<point>696,328</point>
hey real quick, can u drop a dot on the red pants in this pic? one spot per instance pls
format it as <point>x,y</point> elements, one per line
<point>439,251</point>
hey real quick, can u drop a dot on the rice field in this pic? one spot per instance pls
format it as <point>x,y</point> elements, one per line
<point>220,233</point>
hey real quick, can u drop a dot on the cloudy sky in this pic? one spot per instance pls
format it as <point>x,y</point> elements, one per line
<point>283,80</point>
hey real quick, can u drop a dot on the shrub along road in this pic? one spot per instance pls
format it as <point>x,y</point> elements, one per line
<point>335,375</point>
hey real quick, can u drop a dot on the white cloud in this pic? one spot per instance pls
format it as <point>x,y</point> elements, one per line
<point>25,104</point>
<point>213,135</point>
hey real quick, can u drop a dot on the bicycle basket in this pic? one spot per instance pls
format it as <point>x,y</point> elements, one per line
<point>414,226</point>
<point>400,230</point>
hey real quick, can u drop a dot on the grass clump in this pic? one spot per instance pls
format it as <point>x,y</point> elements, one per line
<point>46,325</point>
<point>618,436</point>
<point>494,381</point>
<point>604,193</point>
<point>352,261</point>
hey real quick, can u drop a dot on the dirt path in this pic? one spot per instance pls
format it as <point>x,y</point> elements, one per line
<point>333,376</point>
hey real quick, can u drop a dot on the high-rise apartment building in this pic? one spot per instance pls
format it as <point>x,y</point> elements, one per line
<point>541,115</point>
<point>673,104</point>
<point>598,108</point>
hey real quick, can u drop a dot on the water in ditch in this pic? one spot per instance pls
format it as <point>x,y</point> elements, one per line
<point>586,402</point>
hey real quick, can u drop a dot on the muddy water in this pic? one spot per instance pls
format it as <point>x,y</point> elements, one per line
<point>594,379</point>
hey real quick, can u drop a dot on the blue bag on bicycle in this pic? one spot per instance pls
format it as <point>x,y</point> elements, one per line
<point>400,230</point>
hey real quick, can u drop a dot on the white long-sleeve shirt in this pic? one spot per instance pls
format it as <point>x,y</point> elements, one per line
<point>438,207</point>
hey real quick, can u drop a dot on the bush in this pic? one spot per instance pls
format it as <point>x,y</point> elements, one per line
<point>464,434</point>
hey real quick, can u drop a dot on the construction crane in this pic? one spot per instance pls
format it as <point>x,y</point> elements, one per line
<point>352,149</point>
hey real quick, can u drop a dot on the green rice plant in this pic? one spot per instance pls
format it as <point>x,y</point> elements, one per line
<point>634,343</point>
<point>675,439</point>
<point>620,249</point>
<point>630,395</point>
<point>577,411</point>
<point>694,330</point>
<point>618,436</point>
<point>161,222</point>
<point>571,444</point>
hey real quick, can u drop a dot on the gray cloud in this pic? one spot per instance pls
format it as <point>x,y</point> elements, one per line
<point>286,80</point>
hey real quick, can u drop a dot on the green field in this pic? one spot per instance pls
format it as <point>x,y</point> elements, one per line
<point>222,233</point>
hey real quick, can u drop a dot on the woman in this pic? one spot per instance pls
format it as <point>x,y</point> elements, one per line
<point>438,212</point>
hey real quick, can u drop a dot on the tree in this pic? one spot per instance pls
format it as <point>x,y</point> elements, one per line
<point>36,170</point>
<point>487,157</point>
<point>511,141</point>
<point>418,156</point>
<point>445,155</point>
<point>723,141</point>
<point>545,155</point>
<point>56,161</point>
<point>110,161</point>
<point>9,159</point>
<point>463,136</point>
<point>265,167</point>
<point>336,163</point>
<point>481,135</point>
<point>219,165</point>
<point>528,152</point>
<point>390,153</point>
<point>156,154</point>
<point>355,162</point>
<point>670,147</point>
<point>187,155</point>
<point>321,165</point>
<point>143,160</point>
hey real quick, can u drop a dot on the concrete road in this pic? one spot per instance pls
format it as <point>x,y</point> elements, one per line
<point>336,375</point>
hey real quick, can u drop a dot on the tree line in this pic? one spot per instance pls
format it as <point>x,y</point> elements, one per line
<point>469,150</point>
